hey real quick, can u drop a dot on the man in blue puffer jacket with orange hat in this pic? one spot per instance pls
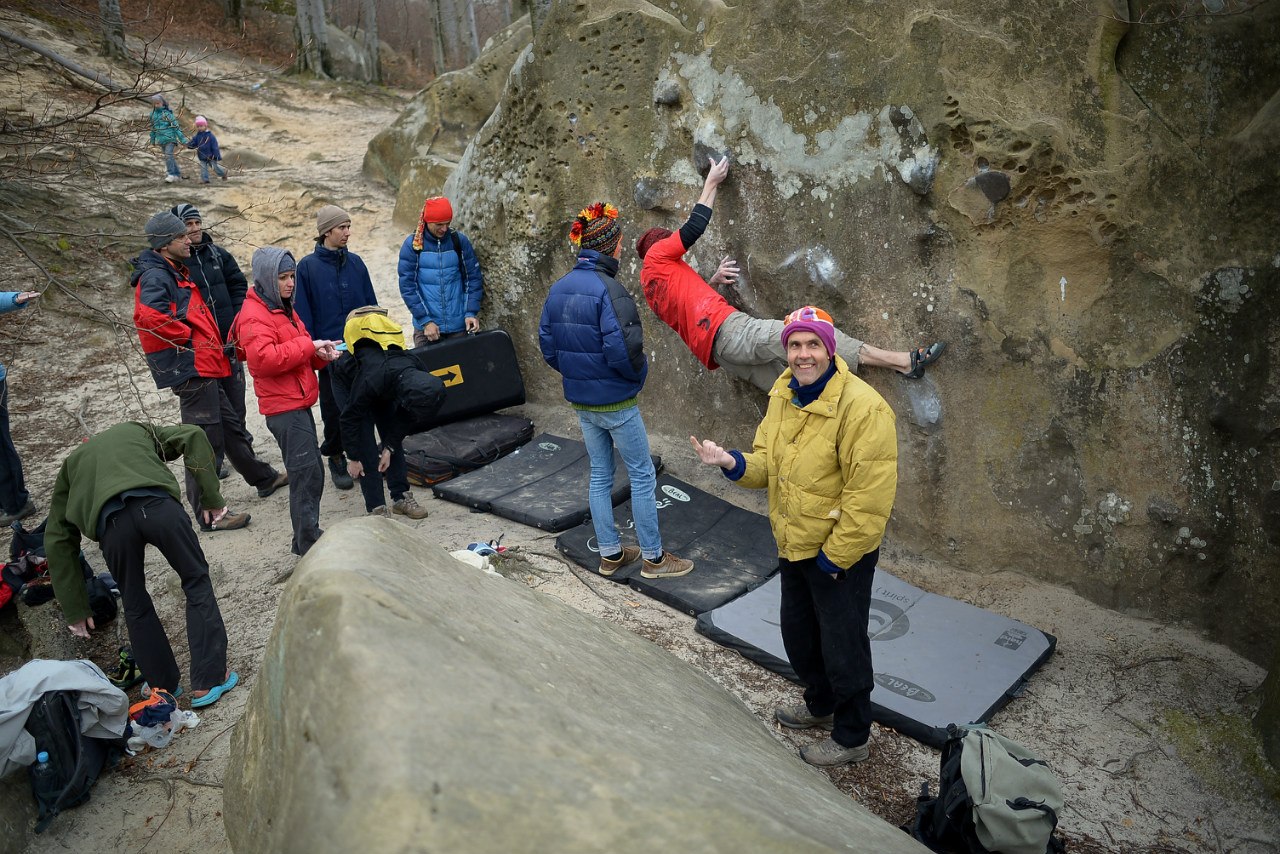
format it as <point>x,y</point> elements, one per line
<point>590,333</point>
<point>440,278</point>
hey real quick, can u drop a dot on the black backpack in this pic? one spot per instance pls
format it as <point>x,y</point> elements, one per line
<point>75,760</point>
<point>419,394</point>
<point>994,797</point>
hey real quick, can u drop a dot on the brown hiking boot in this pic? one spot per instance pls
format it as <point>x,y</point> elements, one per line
<point>630,554</point>
<point>829,752</point>
<point>229,522</point>
<point>409,506</point>
<point>669,567</point>
<point>799,717</point>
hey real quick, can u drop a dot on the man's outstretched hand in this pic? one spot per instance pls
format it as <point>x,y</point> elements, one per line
<point>726,273</point>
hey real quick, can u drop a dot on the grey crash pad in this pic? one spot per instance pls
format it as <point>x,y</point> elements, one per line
<point>544,484</point>
<point>937,660</point>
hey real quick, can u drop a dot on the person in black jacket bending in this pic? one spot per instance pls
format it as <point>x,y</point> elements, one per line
<point>223,285</point>
<point>371,393</point>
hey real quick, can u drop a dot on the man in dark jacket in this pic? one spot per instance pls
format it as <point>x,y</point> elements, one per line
<point>222,285</point>
<point>117,490</point>
<point>186,353</point>
<point>368,384</point>
<point>331,283</point>
<point>590,333</point>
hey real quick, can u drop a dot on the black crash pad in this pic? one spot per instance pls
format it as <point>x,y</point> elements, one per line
<point>480,374</point>
<point>732,549</point>
<point>937,660</point>
<point>544,484</point>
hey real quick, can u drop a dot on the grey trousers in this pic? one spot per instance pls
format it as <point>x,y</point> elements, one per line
<point>295,433</point>
<point>750,349</point>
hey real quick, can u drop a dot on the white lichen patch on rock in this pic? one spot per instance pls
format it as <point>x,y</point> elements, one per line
<point>728,114</point>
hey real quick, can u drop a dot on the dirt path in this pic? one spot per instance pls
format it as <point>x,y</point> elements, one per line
<point>1125,711</point>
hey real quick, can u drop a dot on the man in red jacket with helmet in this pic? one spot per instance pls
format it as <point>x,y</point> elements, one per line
<point>720,335</point>
<point>185,352</point>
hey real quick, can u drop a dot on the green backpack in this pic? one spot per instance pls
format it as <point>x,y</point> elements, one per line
<point>994,797</point>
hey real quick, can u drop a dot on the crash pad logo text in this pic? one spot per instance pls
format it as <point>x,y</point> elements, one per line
<point>903,688</point>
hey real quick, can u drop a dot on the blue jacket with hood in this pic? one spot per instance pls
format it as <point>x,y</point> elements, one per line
<point>331,282</point>
<point>590,332</point>
<point>431,282</point>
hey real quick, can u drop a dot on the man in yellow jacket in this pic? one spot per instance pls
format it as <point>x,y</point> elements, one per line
<point>827,452</point>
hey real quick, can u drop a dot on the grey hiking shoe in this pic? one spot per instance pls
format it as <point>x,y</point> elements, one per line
<point>26,510</point>
<point>799,717</point>
<point>409,506</point>
<point>669,567</point>
<point>630,554</point>
<point>828,753</point>
<point>380,510</point>
<point>281,479</point>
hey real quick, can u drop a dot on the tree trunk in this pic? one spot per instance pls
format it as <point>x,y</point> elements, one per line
<point>369,27</point>
<point>112,29</point>
<point>311,37</point>
<point>233,10</point>
<point>1267,721</point>
<point>457,44</point>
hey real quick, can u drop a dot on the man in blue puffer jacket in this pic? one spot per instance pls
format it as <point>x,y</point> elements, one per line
<point>440,278</point>
<point>331,283</point>
<point>590,333</point>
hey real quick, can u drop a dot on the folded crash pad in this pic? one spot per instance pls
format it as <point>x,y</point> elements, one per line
<point>732,549</point>
<point>544,484</point>
<point>937,660</point>
<point>480,374</point>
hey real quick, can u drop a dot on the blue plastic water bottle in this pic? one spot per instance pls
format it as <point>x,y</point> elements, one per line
<point>44,780</point>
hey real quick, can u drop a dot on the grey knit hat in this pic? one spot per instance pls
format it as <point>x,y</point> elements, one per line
<point>329,218</point>
<point>186,212</point>
<point>164,228</point>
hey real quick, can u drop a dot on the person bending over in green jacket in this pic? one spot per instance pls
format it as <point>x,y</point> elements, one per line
<point>117,490</point>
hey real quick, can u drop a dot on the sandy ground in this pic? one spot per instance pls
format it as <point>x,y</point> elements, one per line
<point>1146,724</point>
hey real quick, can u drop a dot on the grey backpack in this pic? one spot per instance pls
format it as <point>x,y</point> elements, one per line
<point>994,797</point>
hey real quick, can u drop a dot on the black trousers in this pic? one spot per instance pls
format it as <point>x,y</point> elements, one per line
<point>163,523</point>
<point>235,389</point>
<point>330,414</point>
<point>824,631</point>
<point>205,402</point>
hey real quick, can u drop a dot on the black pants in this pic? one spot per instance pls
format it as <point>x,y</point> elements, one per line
<point>13,491</point>
<point>235,388</point>
<point>330,414</point>
<point>205,403</point>
<point>824,631</point>
<point>384,417</point>
<point>163,523</point>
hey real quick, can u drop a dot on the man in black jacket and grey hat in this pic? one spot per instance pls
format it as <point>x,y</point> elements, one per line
<point>223,286</point>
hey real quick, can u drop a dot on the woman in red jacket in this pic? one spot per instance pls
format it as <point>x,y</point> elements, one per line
<point>283,360</point>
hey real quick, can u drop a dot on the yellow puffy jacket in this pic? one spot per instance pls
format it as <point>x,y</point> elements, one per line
<point>831,468</point>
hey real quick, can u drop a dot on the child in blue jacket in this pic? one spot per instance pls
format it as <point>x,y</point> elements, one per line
<point>206,146</point>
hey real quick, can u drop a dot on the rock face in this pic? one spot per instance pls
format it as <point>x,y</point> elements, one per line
<point>1082,207</point>
<point>425,706</point>
<point>419,152</point>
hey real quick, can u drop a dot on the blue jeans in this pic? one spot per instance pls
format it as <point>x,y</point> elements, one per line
<point>204,170</point>
<point>170,162</point>
<point>602,432</point>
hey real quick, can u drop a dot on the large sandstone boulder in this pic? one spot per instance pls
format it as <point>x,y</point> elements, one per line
<point>1082,206</point>
<point>410,703</point>
<point>421,149</point>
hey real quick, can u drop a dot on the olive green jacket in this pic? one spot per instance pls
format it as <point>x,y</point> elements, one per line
<point>127,456</point>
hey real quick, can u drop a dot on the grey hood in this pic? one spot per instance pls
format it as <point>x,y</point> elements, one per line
<point>266,269</point>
